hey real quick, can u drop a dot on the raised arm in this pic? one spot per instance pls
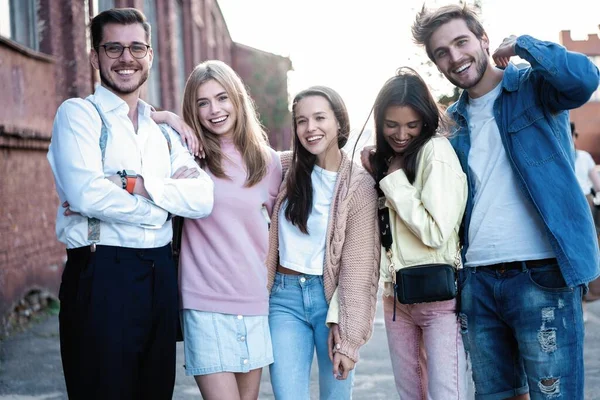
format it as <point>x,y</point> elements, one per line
<point>570,78</point>
<point>185,131</point>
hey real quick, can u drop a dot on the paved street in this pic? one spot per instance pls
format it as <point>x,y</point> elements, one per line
<point>30,367</point>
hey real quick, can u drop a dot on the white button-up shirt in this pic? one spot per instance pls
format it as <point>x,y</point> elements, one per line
<point>80,175</point>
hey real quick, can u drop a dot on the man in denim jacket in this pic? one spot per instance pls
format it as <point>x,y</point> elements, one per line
<point>529,245</point>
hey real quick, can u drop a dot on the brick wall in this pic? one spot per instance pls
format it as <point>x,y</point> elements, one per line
<point>265,75</point>
<point>30,256</point>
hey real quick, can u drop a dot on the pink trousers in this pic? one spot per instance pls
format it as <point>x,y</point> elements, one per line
<point>426,350</point>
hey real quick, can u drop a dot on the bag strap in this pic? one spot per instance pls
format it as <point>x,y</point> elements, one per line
<point>383,215</point>
<point>176,241</point>
<point>94,223</point>
<point>385,230</point>
<point>163,129</point>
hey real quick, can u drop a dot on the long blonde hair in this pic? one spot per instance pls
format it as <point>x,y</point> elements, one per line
<point>249,137</point>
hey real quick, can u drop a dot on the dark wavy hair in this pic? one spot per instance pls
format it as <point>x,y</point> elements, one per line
<point>299,184</point>
<point>406,89</point>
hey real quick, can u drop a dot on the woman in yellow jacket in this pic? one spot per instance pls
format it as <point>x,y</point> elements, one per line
<point>425,191</point>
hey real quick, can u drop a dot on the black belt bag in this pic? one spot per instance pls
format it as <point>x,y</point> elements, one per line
<point>417,284</point>
<point>426,283</point>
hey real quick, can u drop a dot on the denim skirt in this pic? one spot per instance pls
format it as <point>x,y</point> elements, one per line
<point>215,342</point>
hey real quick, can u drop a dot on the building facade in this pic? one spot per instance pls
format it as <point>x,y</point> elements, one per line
<point>44,46</point>
<point>587,117</point>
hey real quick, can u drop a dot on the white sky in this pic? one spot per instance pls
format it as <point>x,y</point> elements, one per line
<point>355,46</point>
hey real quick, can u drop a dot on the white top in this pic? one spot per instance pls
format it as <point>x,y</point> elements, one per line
<point>504,224</point>
<point>299,251</point>
<point>76,161</point>
<point>583,163</point>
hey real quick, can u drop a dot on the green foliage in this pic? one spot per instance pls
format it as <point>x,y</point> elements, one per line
<point>447,100</point>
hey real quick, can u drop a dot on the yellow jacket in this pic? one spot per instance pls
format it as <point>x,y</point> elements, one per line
<point>425,216</point>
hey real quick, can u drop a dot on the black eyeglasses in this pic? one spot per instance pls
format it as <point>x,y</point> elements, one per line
<point>115,50</point>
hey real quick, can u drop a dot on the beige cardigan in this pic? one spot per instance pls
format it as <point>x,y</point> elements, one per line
<point>352,252</point>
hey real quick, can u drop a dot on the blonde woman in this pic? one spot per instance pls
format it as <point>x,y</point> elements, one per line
<point>223,279</point>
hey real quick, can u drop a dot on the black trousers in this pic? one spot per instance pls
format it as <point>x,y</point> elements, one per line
<point>118,319</point>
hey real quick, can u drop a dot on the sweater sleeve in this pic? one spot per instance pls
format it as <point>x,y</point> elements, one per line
<point>359,269</point>
<point>286,160</point>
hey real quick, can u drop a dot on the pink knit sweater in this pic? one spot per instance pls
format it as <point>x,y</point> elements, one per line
<point>351,253</point>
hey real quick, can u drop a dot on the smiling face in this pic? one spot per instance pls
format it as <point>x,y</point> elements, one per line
<point>316,126</point>
<point>459,55</point>
<point>123,75</point>
<point>401,125</point>
<point>215,110</point>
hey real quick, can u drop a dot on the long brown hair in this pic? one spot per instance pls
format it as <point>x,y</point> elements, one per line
<point>249,137</point>
<point>299,184</point>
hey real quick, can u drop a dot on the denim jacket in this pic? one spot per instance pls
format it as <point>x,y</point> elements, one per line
<point>532,117</point>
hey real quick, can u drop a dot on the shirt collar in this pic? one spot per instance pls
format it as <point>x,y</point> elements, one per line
<point>510,83</point>
<point>109,101</point>
<point>510,80</point>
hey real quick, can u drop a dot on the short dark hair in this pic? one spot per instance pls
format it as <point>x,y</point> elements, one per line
<point>427,22</point>
<point>573,133</point>
<point>122,16</point>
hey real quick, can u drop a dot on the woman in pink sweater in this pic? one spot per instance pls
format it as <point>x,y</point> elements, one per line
<point>323,248</point>
<point>223,279</point>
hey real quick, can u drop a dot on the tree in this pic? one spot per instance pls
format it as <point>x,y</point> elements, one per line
<point>447,100</point>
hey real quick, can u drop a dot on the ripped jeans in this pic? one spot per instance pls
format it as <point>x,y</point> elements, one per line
<point>523,330</point>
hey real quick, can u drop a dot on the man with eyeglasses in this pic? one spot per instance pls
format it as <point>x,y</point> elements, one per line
<point>119,178</point>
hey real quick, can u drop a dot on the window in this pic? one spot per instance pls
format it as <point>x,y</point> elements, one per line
<point>4,18</point>
<point>596,95</point>
<point>103,5</point>
<point>154,94</point>
<point>18,21</point>
<point>180,49</point>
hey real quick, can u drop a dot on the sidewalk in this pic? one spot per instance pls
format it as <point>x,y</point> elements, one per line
<point>30,367</point>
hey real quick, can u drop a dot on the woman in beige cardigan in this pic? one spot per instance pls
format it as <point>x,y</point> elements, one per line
<point>323,244</point>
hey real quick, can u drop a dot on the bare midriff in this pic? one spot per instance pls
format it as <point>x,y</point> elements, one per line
<point>283,270</point>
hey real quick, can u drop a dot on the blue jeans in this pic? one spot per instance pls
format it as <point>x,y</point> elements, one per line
<point>297,313</point>
<point>523,329</point>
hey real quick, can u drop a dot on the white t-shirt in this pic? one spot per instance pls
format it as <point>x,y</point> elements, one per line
<point>299,251</point>
<point>504,224</point>
<point>583,163</point>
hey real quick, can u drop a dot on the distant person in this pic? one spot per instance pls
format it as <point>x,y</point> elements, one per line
<point>425,192</point>
<point>585,169</point>
<point>119,179</point>
<point>529,243</point>
<point>589,181</point>
<point>223,279</point>
<point>323,249</point>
